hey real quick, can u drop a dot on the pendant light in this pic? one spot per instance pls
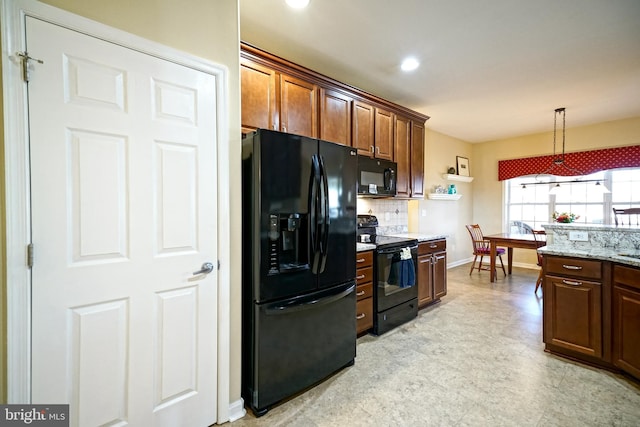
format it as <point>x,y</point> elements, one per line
<point>560,162</point>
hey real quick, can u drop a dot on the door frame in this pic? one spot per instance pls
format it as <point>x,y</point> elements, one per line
<point>17,185</point>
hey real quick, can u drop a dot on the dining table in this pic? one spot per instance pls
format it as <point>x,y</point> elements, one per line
<point>510,241</point>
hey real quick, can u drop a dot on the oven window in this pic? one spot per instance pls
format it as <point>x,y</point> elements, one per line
<point>394,273</point>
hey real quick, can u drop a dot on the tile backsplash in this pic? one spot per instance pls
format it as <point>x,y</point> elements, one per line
<point>392,214</point>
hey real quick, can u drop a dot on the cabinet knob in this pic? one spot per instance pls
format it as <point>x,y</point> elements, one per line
<point>359,294</point>
<point>360,316</point>
<point>360,277</point>
<point>571,282</point>
<point>571,267</point>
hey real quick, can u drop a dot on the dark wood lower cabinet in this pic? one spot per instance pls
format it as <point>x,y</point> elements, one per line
<point>573,315</point>
<point>364,291</point>
<point>591,312</point>
<point>432,271</point>
<point>626,319</point>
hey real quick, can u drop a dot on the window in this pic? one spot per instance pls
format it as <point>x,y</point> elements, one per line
<point>535,204</point>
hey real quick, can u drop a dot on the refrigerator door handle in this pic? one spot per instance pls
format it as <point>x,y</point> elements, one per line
<point>324,242</point>
<point>313,213</point>
<point>294,305</point>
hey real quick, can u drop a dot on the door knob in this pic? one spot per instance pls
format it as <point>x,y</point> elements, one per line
<point>207,268</point>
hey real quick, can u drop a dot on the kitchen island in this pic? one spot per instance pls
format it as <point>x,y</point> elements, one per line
<point>591,295</point>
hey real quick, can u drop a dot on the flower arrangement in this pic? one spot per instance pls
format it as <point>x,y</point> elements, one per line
<point>564,217</point>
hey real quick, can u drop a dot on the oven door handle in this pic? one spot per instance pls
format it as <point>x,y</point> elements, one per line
<point>396,249</point>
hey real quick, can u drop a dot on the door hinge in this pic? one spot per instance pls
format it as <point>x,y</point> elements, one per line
<point>218,264</point>
<point>30,255</point>
<point>25,58</point>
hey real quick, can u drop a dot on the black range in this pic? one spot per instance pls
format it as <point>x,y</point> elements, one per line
<point>395,291</point>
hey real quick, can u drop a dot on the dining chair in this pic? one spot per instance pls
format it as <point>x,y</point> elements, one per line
<point>482,248</point>
<point>521,227</point>
<point>537,233</point>
<point>630,216</point>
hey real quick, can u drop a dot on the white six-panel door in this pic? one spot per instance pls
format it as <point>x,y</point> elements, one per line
<point>123,185</point>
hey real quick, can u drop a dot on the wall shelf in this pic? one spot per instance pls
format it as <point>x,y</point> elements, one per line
<point>438,196</point>
<point>451,177</point>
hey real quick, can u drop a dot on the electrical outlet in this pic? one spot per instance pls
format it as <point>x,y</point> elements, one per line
<point>579,236</point>
<point>424,212</point>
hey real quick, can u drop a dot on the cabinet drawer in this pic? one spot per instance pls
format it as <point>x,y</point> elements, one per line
<point>364,259</point>
<point>626,276</point>
<point>364,275</point>
<point>574,267</point>
<point>432,246</point>
<point>364,315</point>
<point>364,291</point>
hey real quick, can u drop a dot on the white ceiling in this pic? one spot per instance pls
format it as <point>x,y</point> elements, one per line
<point>490,69</point>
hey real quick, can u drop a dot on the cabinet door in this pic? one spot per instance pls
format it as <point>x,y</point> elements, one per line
<point>383,135</point>
<point>363,129</point>
<point>403,155</point>
<point>335,117</point>
<point>626,329</point>
<point>417,160</point>
<point>425,280</point>
<point>258,88</point>
<point>573,315</point>
<point>298,106</point>
<point>440,274</point>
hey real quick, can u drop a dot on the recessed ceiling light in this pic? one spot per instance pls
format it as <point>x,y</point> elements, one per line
<point>409,64</point>
<point>298,4</point>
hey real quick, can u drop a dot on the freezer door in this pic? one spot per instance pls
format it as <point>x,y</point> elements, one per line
<point>338,166</point>
<point>299,342</point>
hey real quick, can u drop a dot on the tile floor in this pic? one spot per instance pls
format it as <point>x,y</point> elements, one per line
<point>475,359</point>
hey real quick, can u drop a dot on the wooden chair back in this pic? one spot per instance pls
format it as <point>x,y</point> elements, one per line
<point>537,233</point>
<point>477,239</point>
<point>523,228</point>
<point>630,216</point>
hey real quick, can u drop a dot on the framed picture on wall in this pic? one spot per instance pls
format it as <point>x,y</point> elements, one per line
<point>462,164</point>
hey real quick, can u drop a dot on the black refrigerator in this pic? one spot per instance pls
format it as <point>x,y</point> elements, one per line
<point>298,265</point>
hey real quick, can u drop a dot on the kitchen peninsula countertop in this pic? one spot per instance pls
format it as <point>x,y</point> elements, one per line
<point>604,242</point>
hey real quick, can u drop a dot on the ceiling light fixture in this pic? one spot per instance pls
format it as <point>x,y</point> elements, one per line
<point>409,64</point>
<point>298,4</point>
<point>559,162</point>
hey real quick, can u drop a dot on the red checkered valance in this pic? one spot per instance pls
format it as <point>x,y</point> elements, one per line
<point>587,162</point>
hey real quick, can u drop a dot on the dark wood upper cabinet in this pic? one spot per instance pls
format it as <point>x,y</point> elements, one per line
<point>403,155</point>
<point>281,95</point>
<point>335,117</point>
<point>298,106</point>
<point>363,129</point>
<point>259,96</point>
<point>383,134</point>
<point>409,155</point>
<point>417,159</point>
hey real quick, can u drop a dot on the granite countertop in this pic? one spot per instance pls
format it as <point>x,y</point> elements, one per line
<point>361,247</point>
<point>602,242</point>
<point>629,257</point>
<point>420,237</point>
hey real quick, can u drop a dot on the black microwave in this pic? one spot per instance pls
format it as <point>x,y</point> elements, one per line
<point>376,177</point>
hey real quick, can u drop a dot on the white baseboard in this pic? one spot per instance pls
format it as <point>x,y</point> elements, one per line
<point>515,264</point>
<point>236,410</point>
<point>459,262</point>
